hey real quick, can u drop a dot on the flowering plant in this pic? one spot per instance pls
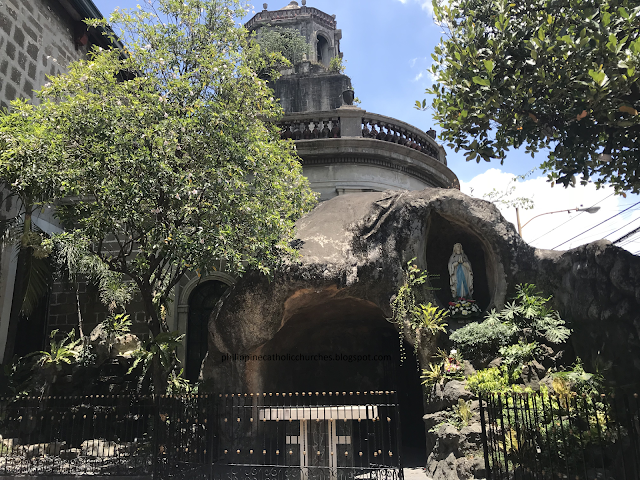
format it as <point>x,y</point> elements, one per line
<point>463,308</point>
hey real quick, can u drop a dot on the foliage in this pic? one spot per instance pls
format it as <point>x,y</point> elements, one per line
<point>278,42</point>
<point>506,197</point>
<point>408,306</point>
<point>73,256</point>
<point>429,318</point>
<point>60,352</point>
<point>116,325</point>
<point>478,340</point>
<point>514,356</point>
<point>532,316</point>
<point>160,349</point>
<point>494,379</point>
<point>447,366</point>
<point>578,381</point>
<point>462,414</point>
<point>337,65</point>
<point>527,319</point>
<point>177,164</point>
<point>545,74</point>
<point>178,385</point>
<point>433,374</point>
<point>19,376</point>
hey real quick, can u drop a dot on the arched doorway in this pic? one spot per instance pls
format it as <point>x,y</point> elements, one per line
<point>202,302</point>
<point>346,345</point>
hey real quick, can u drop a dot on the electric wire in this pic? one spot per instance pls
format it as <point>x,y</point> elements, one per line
<point>617,230</point>
<point>632,239</point>
<point>627,235</point>
<point>572,218</point>
<point>589,229</point>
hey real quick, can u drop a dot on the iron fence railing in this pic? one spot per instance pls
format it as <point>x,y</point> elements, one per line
<point>303,435</point>
<point>540,436</point>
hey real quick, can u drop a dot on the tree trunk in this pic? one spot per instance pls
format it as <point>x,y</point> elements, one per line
<point>158,376</point>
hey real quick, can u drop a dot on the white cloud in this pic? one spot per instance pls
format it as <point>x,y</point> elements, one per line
<point>549,231</point>
<point>418,77</point>
<point>426,5</point>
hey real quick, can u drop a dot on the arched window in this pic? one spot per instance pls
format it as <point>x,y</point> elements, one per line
<point>323,51</point>
<point>201,303</point>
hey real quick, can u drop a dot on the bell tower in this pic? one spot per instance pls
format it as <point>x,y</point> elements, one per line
<point>310,85</point>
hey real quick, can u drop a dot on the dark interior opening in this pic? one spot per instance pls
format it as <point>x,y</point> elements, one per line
<point>441,238</point>
<point>201,303</point>
<point>359,351</point>
<point>323,51</point>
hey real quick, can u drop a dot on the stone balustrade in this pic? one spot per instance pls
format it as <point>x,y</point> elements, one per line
<point>354,122</point>
<point>391,130</point>
<point>310,128</point>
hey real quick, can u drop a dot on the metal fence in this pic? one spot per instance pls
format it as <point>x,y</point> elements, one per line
<point>301,436</point>
<point>538,436</point>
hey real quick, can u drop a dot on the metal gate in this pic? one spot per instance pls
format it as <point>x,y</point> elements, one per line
<point>537,436</point>
<point>292,436</point>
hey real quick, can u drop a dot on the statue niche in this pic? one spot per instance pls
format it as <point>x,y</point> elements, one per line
<point>461,284</point>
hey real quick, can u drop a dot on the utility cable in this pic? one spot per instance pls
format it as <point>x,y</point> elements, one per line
<point>572,218</point>
<point>604,221</point>
<point>627,235</point>
<point>616,230</point>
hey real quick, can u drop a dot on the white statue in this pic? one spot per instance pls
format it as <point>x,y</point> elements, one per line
<point>460,274</point>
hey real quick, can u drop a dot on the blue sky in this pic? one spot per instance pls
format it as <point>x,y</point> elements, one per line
<point>387,45</point>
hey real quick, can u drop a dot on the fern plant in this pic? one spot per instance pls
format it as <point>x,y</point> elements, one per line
<point>60,353</point>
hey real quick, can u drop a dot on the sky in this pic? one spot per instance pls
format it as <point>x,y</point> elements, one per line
<point>387,45</point>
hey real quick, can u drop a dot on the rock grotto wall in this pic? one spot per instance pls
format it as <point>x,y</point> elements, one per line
<point>353,249</point>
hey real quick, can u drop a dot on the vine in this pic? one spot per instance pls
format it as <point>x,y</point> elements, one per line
<point>406,306</point>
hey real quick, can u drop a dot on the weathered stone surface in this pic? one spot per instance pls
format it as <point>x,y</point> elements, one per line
<point>353,249</point>
<point>99,448</point>
<point>125,345</point>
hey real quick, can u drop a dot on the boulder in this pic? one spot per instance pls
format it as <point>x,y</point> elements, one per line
<point>99,448</point>
<point>125,345</point>
<point>100,340</point>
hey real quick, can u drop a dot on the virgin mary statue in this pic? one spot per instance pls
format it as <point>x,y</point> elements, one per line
<point>460,274</point>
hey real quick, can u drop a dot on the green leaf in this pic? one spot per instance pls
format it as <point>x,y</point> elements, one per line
<point>488,65</point>
<point>481,81</point>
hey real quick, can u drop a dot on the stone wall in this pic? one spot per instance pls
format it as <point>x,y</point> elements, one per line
<point>36,39</point>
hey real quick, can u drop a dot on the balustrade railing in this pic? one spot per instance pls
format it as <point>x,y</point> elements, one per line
<point>317,125</point>
<point>392,132</point>
<point>307,129</point>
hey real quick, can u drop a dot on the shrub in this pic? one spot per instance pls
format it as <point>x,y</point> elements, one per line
<point>495,379</point>
<point>577,380</point>
<point>478,340</point>
<point>514,356</point>
<point>527,319</point>
<point>337,65</point>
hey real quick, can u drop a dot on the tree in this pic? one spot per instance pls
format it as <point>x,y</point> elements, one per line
<point>283,42</point>
<point>163,159</point>
<point>558,74</point>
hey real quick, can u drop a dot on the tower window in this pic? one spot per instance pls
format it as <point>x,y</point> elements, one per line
<point>323,51</point>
